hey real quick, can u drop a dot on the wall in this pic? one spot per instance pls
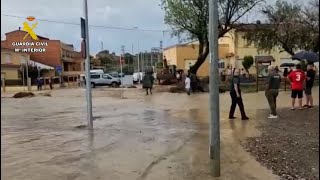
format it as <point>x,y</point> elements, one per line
<point>50,57</point>
<point>171,55</point>
<point>178,55</point>
<point>15,58</point>
<point>243,50</point>
<point>10,73</point>
<point>11,58</point>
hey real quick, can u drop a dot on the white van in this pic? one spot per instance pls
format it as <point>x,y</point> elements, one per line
<point>137,76</point>
<point>96,71</point>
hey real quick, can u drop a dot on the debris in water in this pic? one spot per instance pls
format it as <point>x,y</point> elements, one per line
<point>23,94</point>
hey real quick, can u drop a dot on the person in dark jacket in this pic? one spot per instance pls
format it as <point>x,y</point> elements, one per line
<point>147,82</point>
<point>39,84</point>
<point>236,98</point>
<point>51,83</point>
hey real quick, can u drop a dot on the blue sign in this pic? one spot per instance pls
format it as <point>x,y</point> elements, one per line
<point>59,69</point>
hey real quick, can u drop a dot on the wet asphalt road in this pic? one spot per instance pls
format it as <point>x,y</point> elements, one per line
<point>164,136</point>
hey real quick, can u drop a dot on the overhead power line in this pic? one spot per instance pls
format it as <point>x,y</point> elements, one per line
<point>95,26</point>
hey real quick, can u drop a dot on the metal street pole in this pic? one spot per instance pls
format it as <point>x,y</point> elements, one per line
<point>122,57</point>
<point>151,54</point>
<point>132,53</point>
<point>24,85</point>
<point>39,69</point>
<point>27,71</point>
<point>138,61</point>
<point>87,63</point>
<point>138,58</point>
<point>214,149</point>
<point>142,58</point>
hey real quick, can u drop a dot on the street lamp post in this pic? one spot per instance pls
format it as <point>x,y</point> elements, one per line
<point>214,149</point>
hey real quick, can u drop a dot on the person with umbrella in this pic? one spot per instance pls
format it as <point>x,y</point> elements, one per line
<point>310,57</point>
<point>311,74</point>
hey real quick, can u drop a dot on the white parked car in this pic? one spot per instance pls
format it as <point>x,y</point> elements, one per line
<point>137,76</point>
<point>104,80</point>
<point>96,71</point>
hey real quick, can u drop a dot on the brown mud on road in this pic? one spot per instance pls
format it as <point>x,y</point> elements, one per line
<point>135,137</point>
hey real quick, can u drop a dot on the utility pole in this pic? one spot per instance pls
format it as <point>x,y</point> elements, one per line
<point>142,63</point>
<point>161,51</point>
<point>88,78</point>
<point>138,58</point>
<point>101,45</point>
<point>121,59</point>
<point>39,69</point>
<point>132,57</point>
<point>27,71</point>
<point>214,149</point>
<point>151,60</point>
<point>22,68</point>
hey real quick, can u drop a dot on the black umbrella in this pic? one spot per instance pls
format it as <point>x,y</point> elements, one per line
<point>287,65</point>
<point>306,55</point>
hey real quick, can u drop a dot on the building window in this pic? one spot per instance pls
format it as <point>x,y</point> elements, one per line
<point>8,58</point>
<point>23,59</point>
<point>221,65</point>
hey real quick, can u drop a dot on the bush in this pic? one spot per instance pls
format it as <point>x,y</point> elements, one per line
<point>247,62</point>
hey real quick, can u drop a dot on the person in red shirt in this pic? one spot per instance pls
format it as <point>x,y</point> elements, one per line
<point>296,79</point>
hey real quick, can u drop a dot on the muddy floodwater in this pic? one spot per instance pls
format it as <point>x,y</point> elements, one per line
<point>135,137</point>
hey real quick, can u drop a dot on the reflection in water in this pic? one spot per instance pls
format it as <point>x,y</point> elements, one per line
<point>91,139</point>
<point>232,124</point>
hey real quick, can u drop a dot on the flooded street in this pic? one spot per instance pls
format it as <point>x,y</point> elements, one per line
<point>135,137</point>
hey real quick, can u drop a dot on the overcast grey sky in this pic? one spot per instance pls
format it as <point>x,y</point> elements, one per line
<point>145,14</point>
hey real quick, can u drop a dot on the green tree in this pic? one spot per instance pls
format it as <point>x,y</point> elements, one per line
<point>304,65</point>
<point>191,18</point>
<point>247,63</point>
<point>287,27</point>
<point>106,61</point>
<point>128,58</point>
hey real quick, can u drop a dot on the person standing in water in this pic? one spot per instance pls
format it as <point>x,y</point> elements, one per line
<point>272,90</point>
<point>147,82</point>
<point>236,97</point>
<point>311,74</point>
<point>187,83</point>
<point>296,79</point>
<point>51,83</point>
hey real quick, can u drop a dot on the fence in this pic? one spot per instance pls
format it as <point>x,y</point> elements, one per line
<point>17,84</point>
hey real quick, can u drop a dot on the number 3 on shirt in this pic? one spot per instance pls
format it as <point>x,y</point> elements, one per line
<point>298,77</point>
